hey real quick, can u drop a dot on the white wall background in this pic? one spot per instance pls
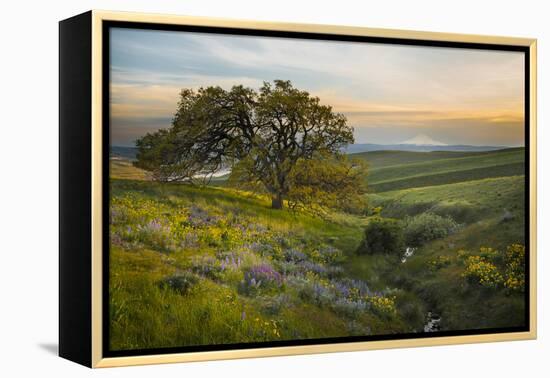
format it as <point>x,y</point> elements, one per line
<point>28,198</point>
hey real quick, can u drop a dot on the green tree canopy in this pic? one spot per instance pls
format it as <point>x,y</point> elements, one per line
<point>279,140</point>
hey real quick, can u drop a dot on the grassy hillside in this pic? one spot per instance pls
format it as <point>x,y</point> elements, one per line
<point>466,201</point>
<point>213,265</point>
<point>449,177</point>
<point>386,158</point>
<point>392,170</point>
<point>491,214</point>
<point>193,266</point>
<point>121,168</point>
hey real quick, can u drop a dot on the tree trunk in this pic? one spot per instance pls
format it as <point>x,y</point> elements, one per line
<point>277,201</point>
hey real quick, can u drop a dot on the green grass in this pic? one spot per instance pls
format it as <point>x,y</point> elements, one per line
<point>450,177</point>
<point>162,230</point>
<point>466,201</point>
<point>159,231</point>
<point>401,170</point>
<point>383,159</point>
<point>121,168</point>
<point>233,203</point>
<point>480,206</point>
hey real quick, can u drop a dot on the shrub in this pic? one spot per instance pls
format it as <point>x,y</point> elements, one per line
<point>382,236</point>
<point>515,267</point>
<point>155,234</point>
<point>491,269</point>
<point>480,270</point>
<point>426,227</point>
<point>311,288</point>
<point>182,282</point>
<point>382,305</point>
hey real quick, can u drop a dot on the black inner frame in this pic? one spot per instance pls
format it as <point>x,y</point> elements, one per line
<point>107,25</point>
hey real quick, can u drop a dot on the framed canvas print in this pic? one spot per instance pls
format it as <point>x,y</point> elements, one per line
<point>236,189</point>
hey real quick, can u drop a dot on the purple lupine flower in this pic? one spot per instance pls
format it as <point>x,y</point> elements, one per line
<point>294,255</point>
<point>229,260</point>
<point>263,273</point>
<point>349,307</point>
<point>154,225</point>
<point>343,287</point>
<point>200,217</point>
<point>189,239</point>
<point>308,266</point>
<point>329,254</point>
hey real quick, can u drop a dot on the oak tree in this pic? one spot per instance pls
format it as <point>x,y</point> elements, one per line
<point>280,139</point>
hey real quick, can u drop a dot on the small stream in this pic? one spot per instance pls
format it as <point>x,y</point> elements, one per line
<point>432,322</point>
<point>408,253</point>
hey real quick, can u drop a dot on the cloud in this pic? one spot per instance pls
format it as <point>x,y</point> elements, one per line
<point>377,86</point>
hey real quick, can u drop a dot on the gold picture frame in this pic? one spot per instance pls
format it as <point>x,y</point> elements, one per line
<point>89,328</point>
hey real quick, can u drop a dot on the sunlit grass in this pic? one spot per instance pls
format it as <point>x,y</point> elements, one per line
<point>218,235</point>
<point>258,274</point>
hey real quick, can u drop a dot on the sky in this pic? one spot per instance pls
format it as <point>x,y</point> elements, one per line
<point>389,93</point>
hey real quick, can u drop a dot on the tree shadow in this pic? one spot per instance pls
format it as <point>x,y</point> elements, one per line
<point>51,348</point>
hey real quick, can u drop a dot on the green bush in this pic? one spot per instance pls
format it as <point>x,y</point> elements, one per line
<point>383,236</point>
<point>426,227</point>
<point>182,282</point>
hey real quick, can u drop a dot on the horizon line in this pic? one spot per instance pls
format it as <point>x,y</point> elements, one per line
<point>393,144</point>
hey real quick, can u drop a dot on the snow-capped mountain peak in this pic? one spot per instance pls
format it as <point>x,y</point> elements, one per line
<point>423,140</point>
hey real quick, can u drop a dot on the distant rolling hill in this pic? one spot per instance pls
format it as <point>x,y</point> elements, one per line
<point>130,152</point>
<point>366,147</point>
<point>124,152</point>
<point>390,170</point>
<point>467,201</point>
<point>396,170</point>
